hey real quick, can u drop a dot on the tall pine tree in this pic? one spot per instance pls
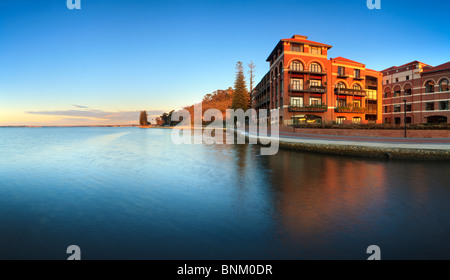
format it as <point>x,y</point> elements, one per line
<point>240,94</point>
<point>143,118</point>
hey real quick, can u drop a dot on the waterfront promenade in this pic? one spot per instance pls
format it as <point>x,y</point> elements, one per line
<point>377,147</point>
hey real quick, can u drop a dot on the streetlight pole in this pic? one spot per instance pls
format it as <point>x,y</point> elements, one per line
<point>404,119</point>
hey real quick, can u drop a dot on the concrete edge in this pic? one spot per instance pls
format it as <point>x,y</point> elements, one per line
<point>363,151</point>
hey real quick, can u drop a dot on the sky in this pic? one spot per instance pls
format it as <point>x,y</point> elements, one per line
<point>106,62</point>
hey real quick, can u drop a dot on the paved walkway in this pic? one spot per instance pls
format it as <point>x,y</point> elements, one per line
<point>376,142</point>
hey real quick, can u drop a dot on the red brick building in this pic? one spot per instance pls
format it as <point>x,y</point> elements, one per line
<point>419,89</point>
<point>307,87</point>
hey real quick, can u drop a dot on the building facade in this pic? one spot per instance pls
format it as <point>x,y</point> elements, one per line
<point>416,93</point>
<point>307,87</point>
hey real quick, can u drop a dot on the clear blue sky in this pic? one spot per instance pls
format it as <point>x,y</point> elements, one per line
<point>102,63</point>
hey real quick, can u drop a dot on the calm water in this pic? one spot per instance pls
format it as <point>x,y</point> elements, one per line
<point>129,193</point>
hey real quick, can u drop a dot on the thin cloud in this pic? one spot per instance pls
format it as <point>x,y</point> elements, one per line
<point>98,116</point>
<point>80,107</point>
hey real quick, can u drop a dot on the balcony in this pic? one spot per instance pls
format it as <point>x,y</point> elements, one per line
<point>349,91</point>
<point>317,89</point>
<point>371,83</point>
<point>342,75</point>
<point>303,71</point>
<point>314,89</point>
<point>261,102</point>
<point>312,108</point>
<point>350,109</point>
<point>359,78</point>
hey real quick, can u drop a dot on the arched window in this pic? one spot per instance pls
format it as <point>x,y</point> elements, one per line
<point>356,120</point>
<point>296,66</point>
<point>407,89</point>
<point>315,67</point>
<point>357,87</point>
<point>429,87</point>
<point>397,91</point>
<point>444,85</point>
<point>341,85</point>
<point>340,120</point>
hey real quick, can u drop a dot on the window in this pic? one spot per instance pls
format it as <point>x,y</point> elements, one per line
<point>443,105</point>
<point>297,101</point>
<point>397,108</point>
<point>386,109</point>
<point>340,120</point>
<point>316,50</point>
<point>429,87</point>
<point>396,80</point>
<point>387,82</point>
<point>444,85</point>
<point>408,107</point>
<point>408,91</point>
<point>356,120</point>
<point>357,73</point>
<point>387,120</point>
<point>397,91</point>
<point>407,78</point>
<point>397,121</point>
<point>371,94</point>
<point>342,103</point>
<point>315,101</point>
<point>408,120</point>
<point>340,85</point>
<point>315,83</point>
<point>296,48</point>
<point>357,87</point>
<point>341,71</point>
<point>297,84</point>
<point>296,66</point>
<point>357,103</point>
<point>386,94</point>
<point>430,106</point>
<point>315,67</point>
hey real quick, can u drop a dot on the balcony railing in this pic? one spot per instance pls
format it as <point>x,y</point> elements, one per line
<point>359,77</point>
<point>261,102</point>
<point>319,89</point>
<point>349,91</point>
<point>315,89</point>
<point>306,71</point>
<point>342,75</point>
<point>311,108</point>
<point>371,83</point>
<point>350,109</point>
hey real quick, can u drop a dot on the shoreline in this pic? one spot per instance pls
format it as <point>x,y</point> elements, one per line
<point>363,149</point>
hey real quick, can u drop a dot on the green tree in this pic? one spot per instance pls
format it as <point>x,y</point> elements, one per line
<point>240,94</point>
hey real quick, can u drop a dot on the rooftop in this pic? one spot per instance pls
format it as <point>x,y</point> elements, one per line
<point>298,39</point>
<point>442,67</point>
<point>340,58</point>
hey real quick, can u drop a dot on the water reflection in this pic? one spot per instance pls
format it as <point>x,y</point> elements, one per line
<point>130,193</point>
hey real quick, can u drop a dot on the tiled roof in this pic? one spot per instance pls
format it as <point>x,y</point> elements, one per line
<point>304,41</point>
<point>409,63</point>
<point>445,66</point>
<point>347,60</point>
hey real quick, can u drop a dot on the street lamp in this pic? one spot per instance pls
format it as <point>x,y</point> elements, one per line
<point>404,119</point>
